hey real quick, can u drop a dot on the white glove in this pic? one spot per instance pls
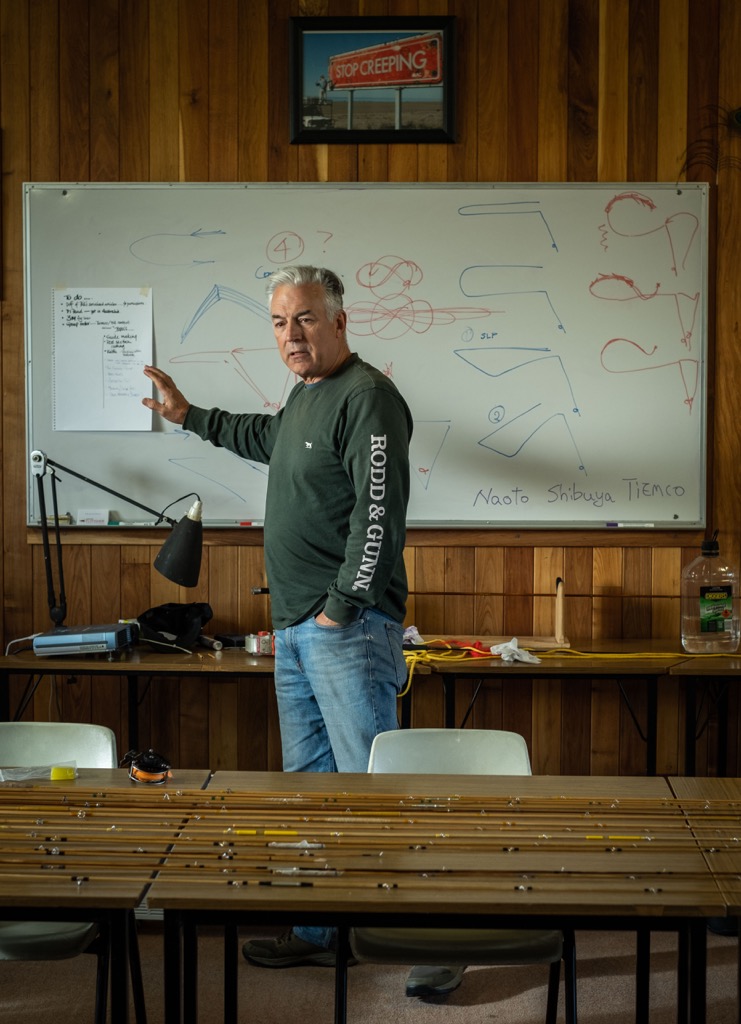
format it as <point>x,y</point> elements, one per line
<point>512,652</point>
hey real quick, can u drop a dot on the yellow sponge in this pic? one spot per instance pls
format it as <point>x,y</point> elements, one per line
<point>62,772</point>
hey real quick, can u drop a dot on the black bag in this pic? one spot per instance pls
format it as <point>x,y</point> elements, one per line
<point>176,626</point>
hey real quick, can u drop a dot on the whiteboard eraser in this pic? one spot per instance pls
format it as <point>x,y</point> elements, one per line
<point>92,517</point>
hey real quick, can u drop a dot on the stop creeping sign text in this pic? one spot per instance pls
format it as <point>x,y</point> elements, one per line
<point>414,61</point>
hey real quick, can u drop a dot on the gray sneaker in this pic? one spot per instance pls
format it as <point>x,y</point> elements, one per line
<point>434,980</point>
<point>287,950</point>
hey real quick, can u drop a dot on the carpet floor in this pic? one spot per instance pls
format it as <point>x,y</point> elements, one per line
<point>63,992</point>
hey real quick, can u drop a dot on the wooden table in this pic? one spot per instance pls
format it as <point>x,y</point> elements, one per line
<point>135,664</point>
<point>86,850</point>
<point>114,778</point>
<point>651,660</point>
<point>713,810</point>
<point>583,852</point>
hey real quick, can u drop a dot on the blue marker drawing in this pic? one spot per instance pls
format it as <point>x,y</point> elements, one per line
<point>221,292</point>
<point>167,249</point>
<point>508,210</point>
<point>428,440</point>
<point>517,416</point>
<point>199,466</point>
<point>486,279</point>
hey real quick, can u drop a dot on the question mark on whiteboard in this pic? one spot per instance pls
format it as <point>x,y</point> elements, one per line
<point>328,235</point>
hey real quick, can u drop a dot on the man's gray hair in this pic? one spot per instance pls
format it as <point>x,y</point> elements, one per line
<point>300,275</point>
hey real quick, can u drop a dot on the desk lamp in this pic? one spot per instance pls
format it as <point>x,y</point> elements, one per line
<point>178,560</point>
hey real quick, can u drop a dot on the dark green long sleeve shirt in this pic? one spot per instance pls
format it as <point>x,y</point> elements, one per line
<point>338,487</point>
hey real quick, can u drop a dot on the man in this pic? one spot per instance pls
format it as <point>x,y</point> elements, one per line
<point>335,524</point>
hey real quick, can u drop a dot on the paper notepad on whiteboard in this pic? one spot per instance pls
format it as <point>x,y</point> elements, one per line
<point>101,341</point>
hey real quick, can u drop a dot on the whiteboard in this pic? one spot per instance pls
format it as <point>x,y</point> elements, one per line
<point>549,339</point>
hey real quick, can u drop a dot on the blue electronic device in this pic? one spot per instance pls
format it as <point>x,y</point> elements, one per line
<point>104,639</point>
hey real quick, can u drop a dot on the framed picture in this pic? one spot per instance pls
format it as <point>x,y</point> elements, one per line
<point>372,79</point>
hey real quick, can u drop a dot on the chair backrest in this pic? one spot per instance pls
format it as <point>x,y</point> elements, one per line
<point>25,744</point>
<point>450,752</point>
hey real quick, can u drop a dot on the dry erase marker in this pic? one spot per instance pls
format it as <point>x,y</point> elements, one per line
<point>119,522</point>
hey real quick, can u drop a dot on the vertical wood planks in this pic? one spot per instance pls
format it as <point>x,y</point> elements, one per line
<point>552,116</point>
<point>612,147</point>
<point>164,84</point>
<point>133,90</point>
<point>643,43</point>
<point>194,95</point>
<point>672,96</point>
<point>579,90</point>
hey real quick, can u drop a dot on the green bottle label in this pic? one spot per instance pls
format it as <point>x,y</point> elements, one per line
<point>716,608</point>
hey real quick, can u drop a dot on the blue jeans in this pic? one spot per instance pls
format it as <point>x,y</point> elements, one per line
<point>336,688</point>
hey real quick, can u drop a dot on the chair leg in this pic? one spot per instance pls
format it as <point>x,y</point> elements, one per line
<point>135,967</point>
<point>554,981</point>
<point>569,962</point>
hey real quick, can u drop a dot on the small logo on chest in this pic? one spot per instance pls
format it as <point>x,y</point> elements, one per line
<point>307,444</point>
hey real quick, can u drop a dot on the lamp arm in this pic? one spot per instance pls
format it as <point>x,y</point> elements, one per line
<point>179,559</point>
<point>117,494</point>
<point>57,610</point>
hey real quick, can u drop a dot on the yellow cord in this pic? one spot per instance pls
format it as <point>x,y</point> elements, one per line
<point>562,652</point>
<point>449,652</point>
<point>414,658</point>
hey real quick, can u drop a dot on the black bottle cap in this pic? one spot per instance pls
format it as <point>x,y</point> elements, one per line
<point>710,546</point>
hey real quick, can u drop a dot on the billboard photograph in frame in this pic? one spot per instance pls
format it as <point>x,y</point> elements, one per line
<point>372,79</point>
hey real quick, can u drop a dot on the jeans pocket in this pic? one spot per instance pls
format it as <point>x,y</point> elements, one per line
<point>395,639</point>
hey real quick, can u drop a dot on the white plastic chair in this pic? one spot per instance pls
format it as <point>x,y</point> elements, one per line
<point>24,744</point>
<point>29,744</point>
<point>465,752</point>
<point>450,752</point>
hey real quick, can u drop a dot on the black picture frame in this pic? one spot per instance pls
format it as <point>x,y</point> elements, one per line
<point>372,79</point>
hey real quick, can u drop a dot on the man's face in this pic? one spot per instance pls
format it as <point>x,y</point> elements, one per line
<point>309,343</point>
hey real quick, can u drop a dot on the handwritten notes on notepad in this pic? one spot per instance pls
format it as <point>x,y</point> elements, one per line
<point>102,339</point>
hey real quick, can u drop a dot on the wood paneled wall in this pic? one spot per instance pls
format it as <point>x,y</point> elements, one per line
<point>547,90</point>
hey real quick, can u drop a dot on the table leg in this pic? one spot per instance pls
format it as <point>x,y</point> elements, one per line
<point>340,977</point>
<point>172,954</point>
<point>231,976</point>
<point>190,974</point>
<point>683,954</point>
<point>738,977</point>
<point>697,971</point>
<point>652,725</point>
<point>722,705</point>
<point>643,973</point>
<point>652,715</point>
<point>449,693</point>
<point>690,711</point>
<point>4,696</point>
<point>119,943</point>
<point>406,709</point>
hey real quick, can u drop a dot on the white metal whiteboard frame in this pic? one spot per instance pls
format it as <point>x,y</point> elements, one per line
<point>504,187</point>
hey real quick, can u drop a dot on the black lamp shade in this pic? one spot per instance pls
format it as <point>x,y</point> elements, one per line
<point>179,558</point>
